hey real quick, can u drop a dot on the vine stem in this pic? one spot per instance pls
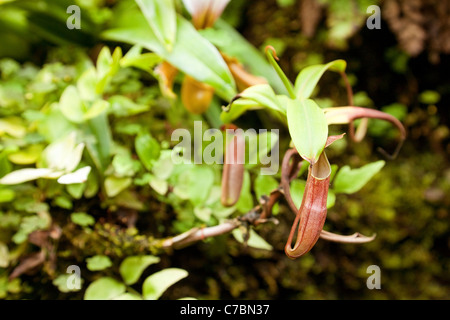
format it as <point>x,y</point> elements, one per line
<point>348,88</point>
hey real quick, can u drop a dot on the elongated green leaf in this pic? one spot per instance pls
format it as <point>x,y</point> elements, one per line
<point>191,53</point>
<point>144,61</point>
<point>245,202</point>
<point>155,285</point>
<point>132,267</point>
<point>237,108</point>
<point>105,288</point>
<point>263,95</point>
<point>235,45</point>
<point>308,78</point>
<point>99,127</point>
<point>161,17</point>
<point>352,180</point>
<point>28,155</point>
<point>107,67</point>
<point>252,98</point>
<point>308,128</point>
<point>24,175</point>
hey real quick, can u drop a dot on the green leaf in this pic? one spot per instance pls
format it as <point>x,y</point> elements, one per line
<point>55,125</point>
<point>82,219</point>
<point>263,95</point>
<point>308,78</point>
<point>155,285</point>
<point>160,186</point>
<point>429,97</point>
<point>24,175</point>
<point>7,195</point>
<point>201,179</point>
<point>238,46</point>
<point>99,127</point>
<point>63,202</point>
<point>28,155</point>
<point>122,106</point>
<point>61,283</point>
<point>114,185</point>
<point>30,224</point>
<point>64,154</point>
<point>203,213</point>
<point>144,61</point>
<point>107,67</point>
<point>237,108</point>
<point>76,177</point>
<point>254,97</point>
<point>71,105</point>
<point>124,165</point>
<point>132,267</point>
<point>331,199</point>
<point>5,165</point>
<point>105,288</point>
<point>99,262</point>
<point>161,17</point>
<point>86,85</point>
<point>96,109</point>
<point>13,126</point>
<point>191,53</point>
<point>164,166</point>
<point>147,148</point>
<point>254,240</point>
<point>264,184</point>
<point>128,296</point>
<point>352,180</point>
<point>308,128</point>
<point>245,202</point>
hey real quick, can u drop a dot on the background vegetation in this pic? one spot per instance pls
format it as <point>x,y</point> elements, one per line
<point>54,81</point>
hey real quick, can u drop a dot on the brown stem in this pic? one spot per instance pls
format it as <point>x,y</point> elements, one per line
<point>348,88</point>
<point>197,234</point>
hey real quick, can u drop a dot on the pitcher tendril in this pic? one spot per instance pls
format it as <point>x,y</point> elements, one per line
<point>272,56</point>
